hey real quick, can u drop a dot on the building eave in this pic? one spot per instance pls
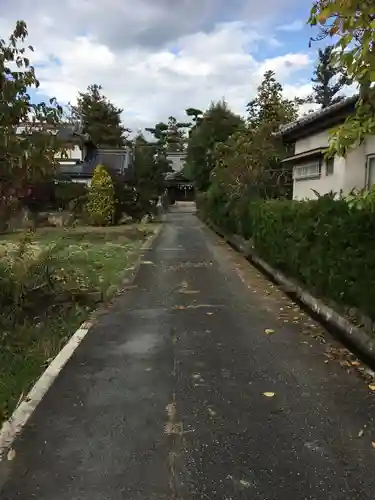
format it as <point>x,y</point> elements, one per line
<point>320,120</point>
<point>306,155</point>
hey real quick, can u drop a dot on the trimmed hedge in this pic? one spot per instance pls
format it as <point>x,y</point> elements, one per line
<point>329,245</point>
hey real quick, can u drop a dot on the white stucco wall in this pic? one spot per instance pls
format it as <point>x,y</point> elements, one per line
<point>355,172</point>
<point>319,140</point>
<point>349,172</point>
<point>303,189</point>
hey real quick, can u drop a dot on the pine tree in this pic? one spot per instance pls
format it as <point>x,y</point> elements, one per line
<point>101,118</point>
<point>328,79</point>
<point>169,136</point>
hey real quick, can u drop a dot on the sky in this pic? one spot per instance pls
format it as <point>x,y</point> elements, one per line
<point>155,58</point>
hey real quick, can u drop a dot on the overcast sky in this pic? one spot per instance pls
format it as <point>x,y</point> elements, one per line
<point>154,58</point>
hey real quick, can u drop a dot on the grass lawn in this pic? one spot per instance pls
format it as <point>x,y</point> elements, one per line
<point>85,266</point>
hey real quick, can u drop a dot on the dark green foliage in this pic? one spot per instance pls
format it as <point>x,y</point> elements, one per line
<point>150,168</point>
<point>217,125</point>
<point>328,80</point>
<point>169,136</point>
<point>70,195</point>
<point>326,244</point>
<point>102,119</point>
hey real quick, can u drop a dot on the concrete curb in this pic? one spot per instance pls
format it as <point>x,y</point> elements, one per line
<point>12,427</point>
<point>353,335</point>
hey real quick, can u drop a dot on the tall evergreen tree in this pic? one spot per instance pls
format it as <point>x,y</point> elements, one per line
<point>216,125</point>
<point>328,79</point>
<point>269,108</point>
<point>101,118</point>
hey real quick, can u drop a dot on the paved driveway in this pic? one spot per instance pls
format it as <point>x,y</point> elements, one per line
<point>200,382</point>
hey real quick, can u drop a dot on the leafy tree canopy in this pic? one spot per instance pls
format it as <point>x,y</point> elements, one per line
<point>216,125</point>
<point>27,146</point>
<point>351,25</point>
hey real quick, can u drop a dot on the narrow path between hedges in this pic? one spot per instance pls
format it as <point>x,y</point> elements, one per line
<point>202,381</point>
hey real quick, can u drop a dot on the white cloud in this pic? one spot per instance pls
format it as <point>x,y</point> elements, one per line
<point>78,44</point>
<point>296,25</point>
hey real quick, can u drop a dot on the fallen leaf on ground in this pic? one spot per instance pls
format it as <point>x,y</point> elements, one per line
<point>244,483</point>
<point>355,363</point>
<point>209,313</point>
<point>147,262</point>
<point>11,454</point>
<point>269,394</point>
<point>372,387</point>
<point>268,331</point>
<point>361,433</point>
<point>373,444</point>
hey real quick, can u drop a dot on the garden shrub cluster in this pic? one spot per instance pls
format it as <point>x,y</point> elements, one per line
<point>327,244</point>
<point>70,196</point>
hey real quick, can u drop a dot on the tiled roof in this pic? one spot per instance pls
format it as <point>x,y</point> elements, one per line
<point>116,160</point>
<point>316,116</point>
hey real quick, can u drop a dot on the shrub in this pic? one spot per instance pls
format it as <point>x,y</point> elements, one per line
<point>70,195</point>
<point>326,244</point>
<point>101,198</point>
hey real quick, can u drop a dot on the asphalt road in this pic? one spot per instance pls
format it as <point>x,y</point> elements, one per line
<point>165,398</point>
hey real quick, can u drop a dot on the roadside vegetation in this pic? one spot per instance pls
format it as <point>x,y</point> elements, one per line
<point>50,282</point>
<point>328,243</point>
<point>65,248</point>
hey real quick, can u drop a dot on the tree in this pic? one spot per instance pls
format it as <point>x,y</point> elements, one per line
<point>159,131</point>
<point>175,134</point>
<point>101,198</point>
<point>352,23</point>
<point>196,116</point>
<point>27,146</point>
<point>101,118</point>
<point>269,107</point>
<point>150,169</point>
<point>216,125</point>
<point>169,135</point>
<point>249,162</point>
<point>327,78</point>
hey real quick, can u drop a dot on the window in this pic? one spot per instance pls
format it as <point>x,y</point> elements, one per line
<point>330,163</point>
<point>307,171</point>
<point>370,171</point>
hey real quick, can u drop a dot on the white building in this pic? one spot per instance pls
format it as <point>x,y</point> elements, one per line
<point>308,138</point>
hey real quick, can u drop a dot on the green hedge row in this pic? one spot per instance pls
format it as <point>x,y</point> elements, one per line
<point>328,245</point>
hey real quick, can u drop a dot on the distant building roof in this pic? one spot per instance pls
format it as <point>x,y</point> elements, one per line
<point>118,161</point>
<point>318,120</point>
